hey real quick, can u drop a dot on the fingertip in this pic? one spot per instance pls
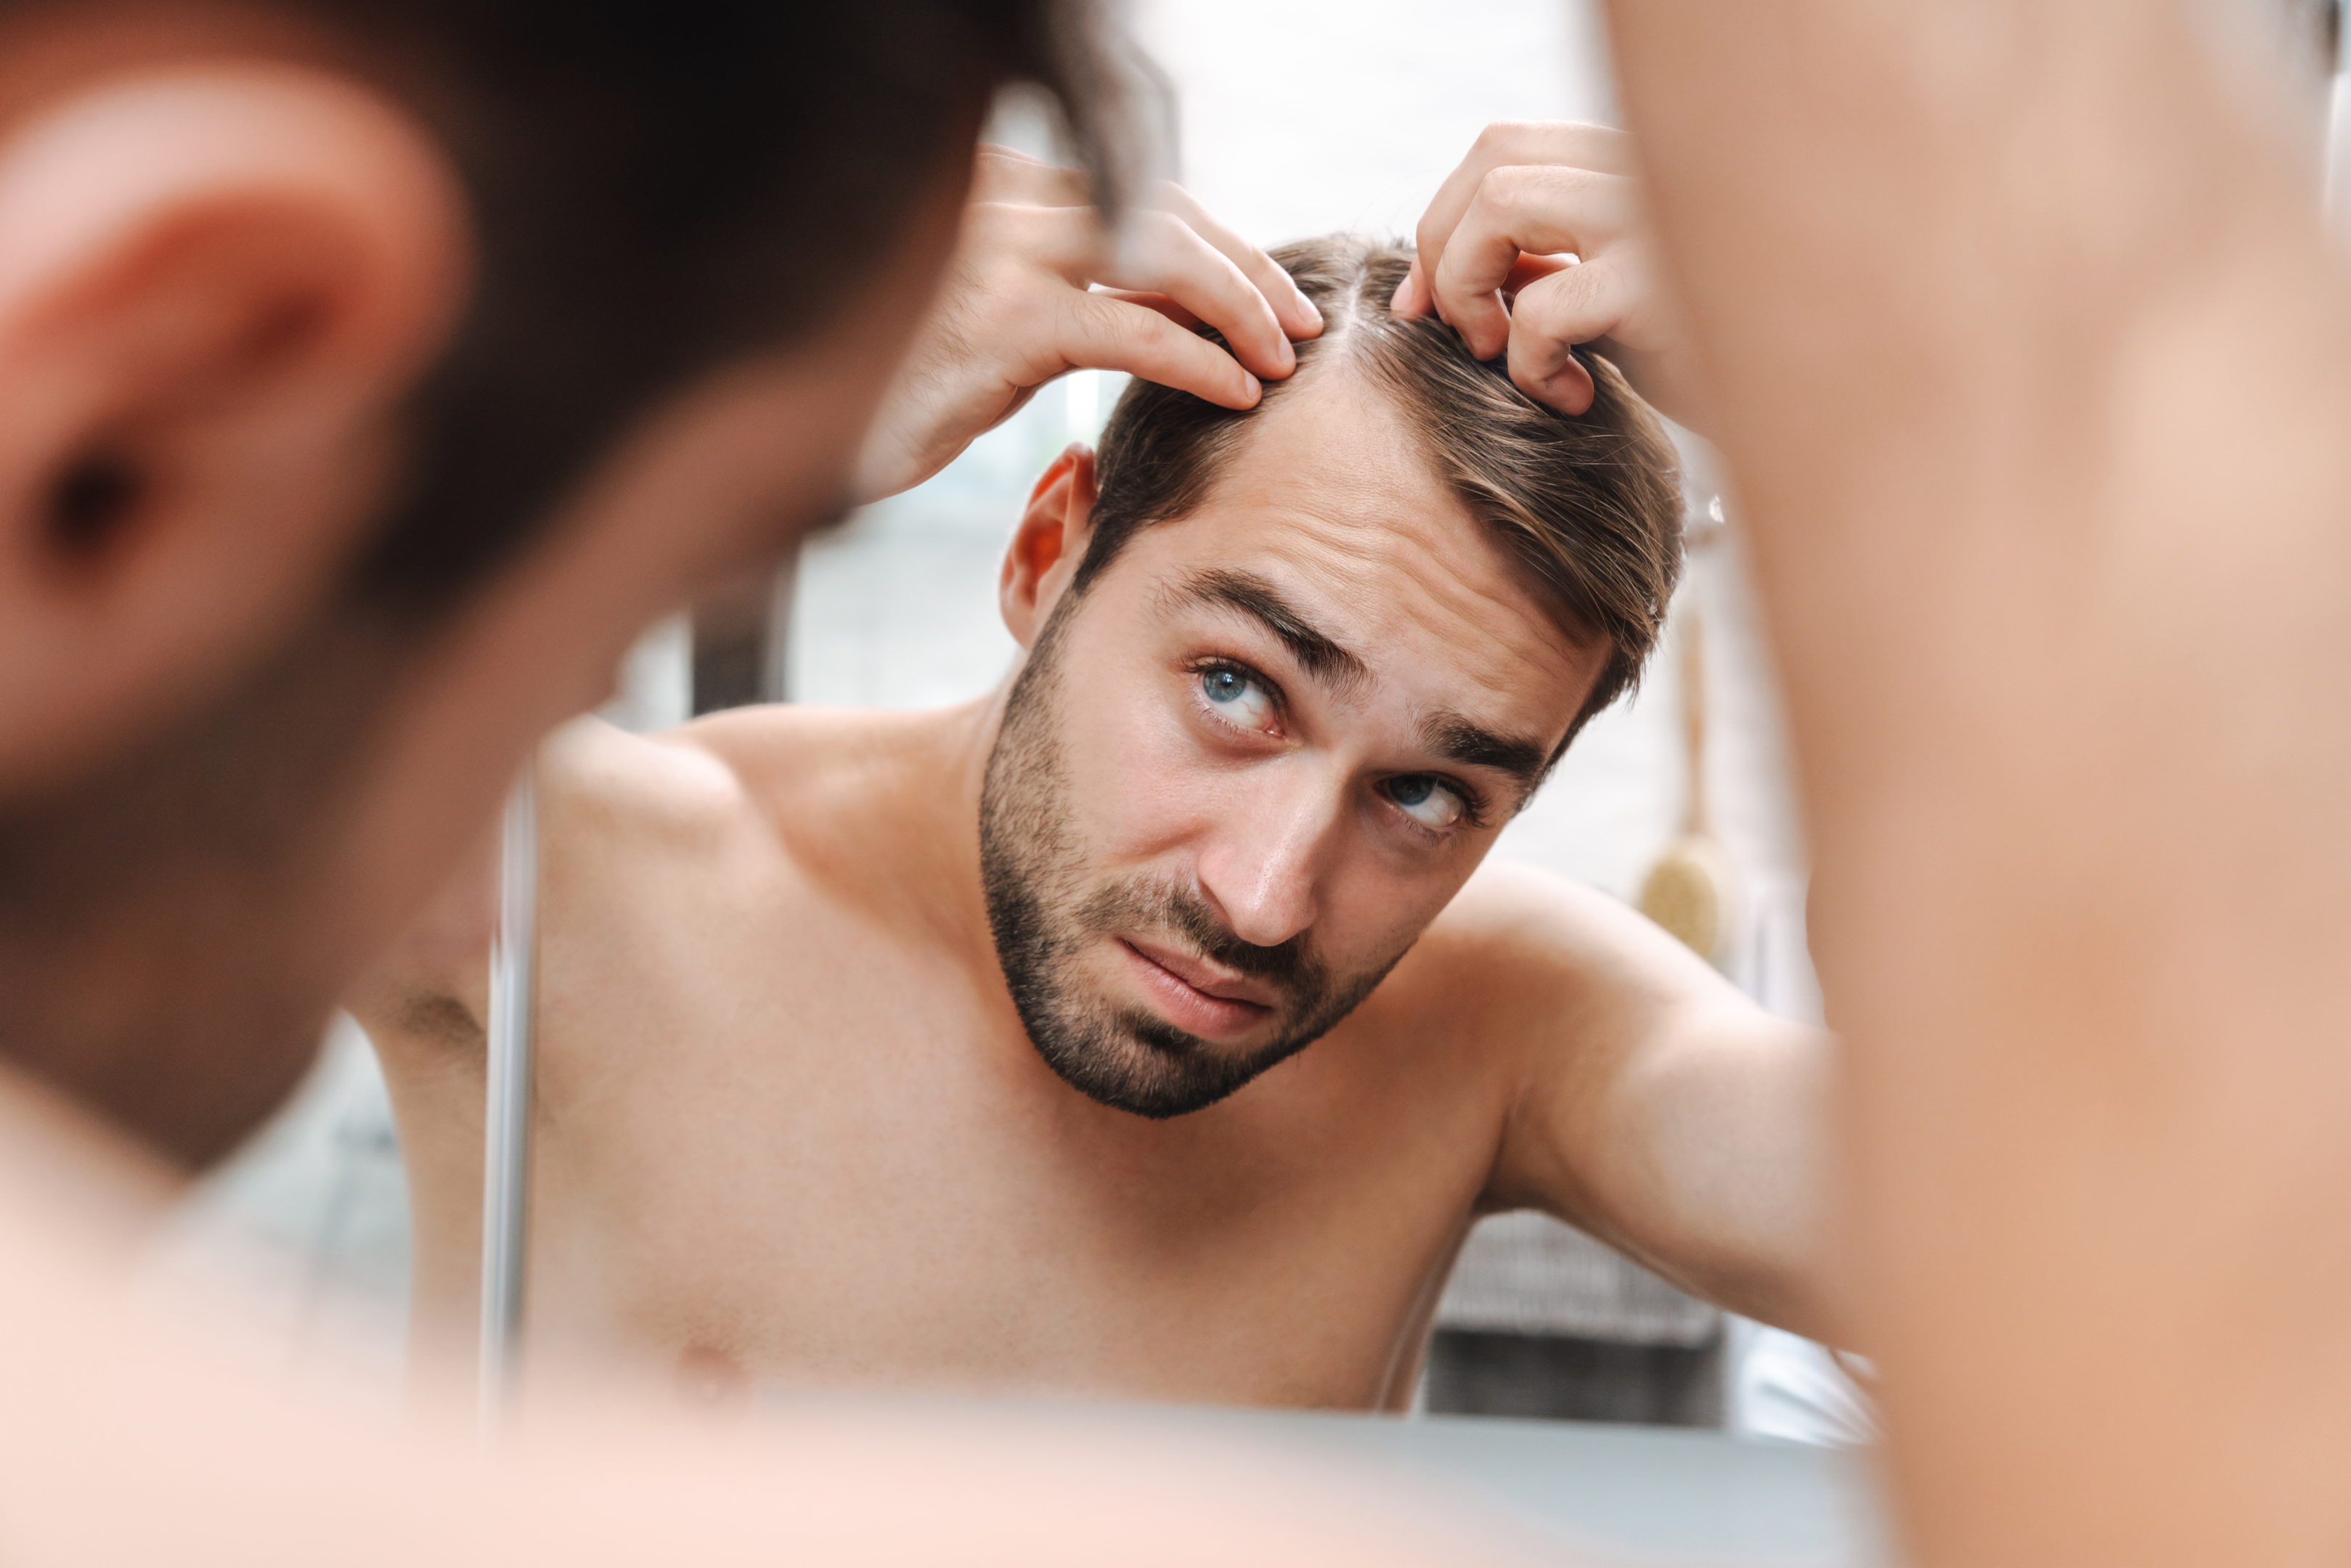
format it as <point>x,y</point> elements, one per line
<point>1569,390</point>
<point>1273,361</point>
<point>1402,302</point>
<point>1309,319</point>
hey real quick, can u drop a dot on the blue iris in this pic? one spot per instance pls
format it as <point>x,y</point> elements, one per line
<point>1411,790</point>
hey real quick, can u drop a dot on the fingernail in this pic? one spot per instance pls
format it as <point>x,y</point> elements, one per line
<point>1401,298</point>
<point>1308,316</point>
<point>1256,387</point>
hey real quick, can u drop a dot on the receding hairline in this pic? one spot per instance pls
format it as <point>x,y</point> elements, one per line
<point>1351,373</point>
<point>1587,507</point>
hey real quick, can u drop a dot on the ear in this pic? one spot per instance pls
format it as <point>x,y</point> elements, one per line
<point>1047,545</point>
<point>216,285</point>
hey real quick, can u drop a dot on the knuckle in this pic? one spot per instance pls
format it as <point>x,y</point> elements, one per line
<point>1540,312</point>
<point>1502,194</point>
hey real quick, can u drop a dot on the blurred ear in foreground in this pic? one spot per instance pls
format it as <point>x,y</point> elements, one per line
<point>216,284</point>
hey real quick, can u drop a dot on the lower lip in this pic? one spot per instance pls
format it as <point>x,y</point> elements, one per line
<point>1189,1008</point>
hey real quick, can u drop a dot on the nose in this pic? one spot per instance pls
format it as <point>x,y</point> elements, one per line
<point>1262,860</point>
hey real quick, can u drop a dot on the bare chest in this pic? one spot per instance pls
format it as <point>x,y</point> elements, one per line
<point>827,1154</point>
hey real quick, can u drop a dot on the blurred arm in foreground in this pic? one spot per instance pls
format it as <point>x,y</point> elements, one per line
<point>2021,339</point>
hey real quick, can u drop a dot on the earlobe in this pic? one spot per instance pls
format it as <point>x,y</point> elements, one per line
<point>1048,543</point>
<point>215,286</point>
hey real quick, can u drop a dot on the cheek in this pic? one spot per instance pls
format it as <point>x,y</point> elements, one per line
<point>1371,909</point>
<point>1140,783</point>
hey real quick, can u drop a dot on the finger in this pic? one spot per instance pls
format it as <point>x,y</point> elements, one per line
<point>1159,302</point>
<point>1002,174</point>
<point>1164,255</point>
<point>1529,270</point>
<point>1504,144</point>
<point>1520,211</point>
<point>1297,313</point>
<point>1065,241</point>
<point>1578,305</point>
<point>1523,271</point>
<point>1107,334</point>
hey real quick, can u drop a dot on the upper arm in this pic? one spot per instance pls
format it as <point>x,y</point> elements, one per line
<point>1652,1105</point>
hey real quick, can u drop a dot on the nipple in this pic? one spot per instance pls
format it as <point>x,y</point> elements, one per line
<point>712,1381</point>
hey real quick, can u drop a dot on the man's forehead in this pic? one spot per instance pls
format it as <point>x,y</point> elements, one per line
<point>1334,499</point>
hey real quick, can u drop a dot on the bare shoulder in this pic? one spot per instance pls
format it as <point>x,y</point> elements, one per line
<point>752,769</point>
<point>1516,940</point>
<point>605,796</point>
<point>853,798</point>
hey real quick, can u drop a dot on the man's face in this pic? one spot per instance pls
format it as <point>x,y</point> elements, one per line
<point>1245,769</point>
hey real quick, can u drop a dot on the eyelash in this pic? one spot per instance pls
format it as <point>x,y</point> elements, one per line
<point>1473,804</point>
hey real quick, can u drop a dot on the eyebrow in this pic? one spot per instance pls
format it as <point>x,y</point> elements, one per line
<point>1457,739</point>
<point>1318,653</point>
<point>1449,734</point>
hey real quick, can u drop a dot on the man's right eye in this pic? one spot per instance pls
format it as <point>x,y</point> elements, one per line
<point>1237,698</point>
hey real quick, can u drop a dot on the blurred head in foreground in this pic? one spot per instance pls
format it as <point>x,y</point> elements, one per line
<point>1290,670</point>
<point>369,371</point>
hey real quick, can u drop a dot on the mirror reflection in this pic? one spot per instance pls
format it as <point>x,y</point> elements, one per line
<point>1181,953</point>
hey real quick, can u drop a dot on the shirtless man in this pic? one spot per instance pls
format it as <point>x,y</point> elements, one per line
<point>968,1048</point>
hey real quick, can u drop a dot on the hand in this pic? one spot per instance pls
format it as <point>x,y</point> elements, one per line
<point>1016,308</point>
<point>1493,266</point>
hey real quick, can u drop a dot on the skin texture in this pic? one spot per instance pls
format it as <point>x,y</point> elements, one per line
<point>2030,359</point>
<point>2096,1110</point>
<point>789,1124</point>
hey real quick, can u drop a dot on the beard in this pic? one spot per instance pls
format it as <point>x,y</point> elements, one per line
<point>1045,912</point>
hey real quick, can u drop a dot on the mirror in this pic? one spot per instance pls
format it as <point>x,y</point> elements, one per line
<point>897,612</point>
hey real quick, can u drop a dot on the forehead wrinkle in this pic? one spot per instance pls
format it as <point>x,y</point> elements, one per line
<point>1333,482</point>
<point>1360,486</point>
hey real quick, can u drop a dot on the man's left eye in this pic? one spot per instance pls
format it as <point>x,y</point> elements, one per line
<point>1236,698</point>
<point>1427,799</point>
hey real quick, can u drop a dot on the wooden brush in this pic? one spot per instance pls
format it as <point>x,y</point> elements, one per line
<point>1692,889</point>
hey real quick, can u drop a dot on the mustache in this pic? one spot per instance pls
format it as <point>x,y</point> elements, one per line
<point>1146,904</point>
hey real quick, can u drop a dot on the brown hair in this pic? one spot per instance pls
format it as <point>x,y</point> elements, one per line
<point>1589,504</point>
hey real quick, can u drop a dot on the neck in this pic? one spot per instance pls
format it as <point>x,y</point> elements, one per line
<point>942,807</point>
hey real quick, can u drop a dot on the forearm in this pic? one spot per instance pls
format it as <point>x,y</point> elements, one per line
<point>2032,370</point>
